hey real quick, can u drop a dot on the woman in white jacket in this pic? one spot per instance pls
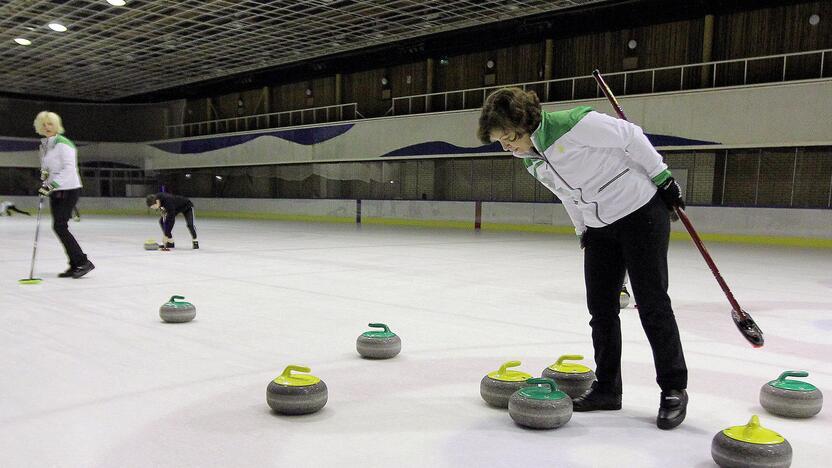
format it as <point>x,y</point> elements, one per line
<point>61,182</point>
<point>619,195</point>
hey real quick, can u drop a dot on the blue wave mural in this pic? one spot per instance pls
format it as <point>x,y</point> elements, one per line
<point>670,140</point>
<point>8,146</point>
<point>302,136</point>
<point>442,147</point>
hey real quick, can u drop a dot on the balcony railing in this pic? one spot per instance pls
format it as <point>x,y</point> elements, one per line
<point>311,115</point>
<point>722,73</point>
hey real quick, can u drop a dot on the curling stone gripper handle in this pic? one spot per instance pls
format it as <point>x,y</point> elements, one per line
<point>288,370</point>
<point>752,426</point>
<point>792,373</point>
<point>379,325</point>
<point>568,357</point>
<point>553,387</point>
<point>173,298</point>
<point>508,364</point>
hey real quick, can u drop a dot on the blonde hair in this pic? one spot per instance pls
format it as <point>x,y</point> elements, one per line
<point>46,116</point>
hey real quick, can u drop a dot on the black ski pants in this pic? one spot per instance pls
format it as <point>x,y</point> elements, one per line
<point>636,244</point>
<point>167,222</point>
<point>61,203</point>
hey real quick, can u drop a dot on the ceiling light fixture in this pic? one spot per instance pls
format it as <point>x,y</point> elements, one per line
<point>116,2</point>
<point>22,41</point>
<point>57,27</point>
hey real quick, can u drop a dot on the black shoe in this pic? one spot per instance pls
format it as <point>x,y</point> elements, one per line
<point>67,273</point>
<point>593,400</point>
<point>82,270</point>
<point>672,409</point>
<point>196,244</point>
<point>169,245</point>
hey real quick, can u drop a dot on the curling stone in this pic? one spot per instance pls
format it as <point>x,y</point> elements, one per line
<point>296,393</point>
<point>376,344</point>
<point>751,446</point>
<point>177,312</point>
<point>572,379</point>
<point>497,386</point>
<point>151,244</point>
<point>791,398</point>
<point>542,406</point>
<point>623,299</point>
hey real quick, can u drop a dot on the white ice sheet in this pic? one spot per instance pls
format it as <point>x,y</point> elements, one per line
<point>91,377</point>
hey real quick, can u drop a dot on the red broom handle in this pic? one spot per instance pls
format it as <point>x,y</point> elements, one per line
<point>680,212</point>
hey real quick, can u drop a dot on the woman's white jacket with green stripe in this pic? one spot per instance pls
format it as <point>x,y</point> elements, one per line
<point>59,159</point>
<point>600,167</point>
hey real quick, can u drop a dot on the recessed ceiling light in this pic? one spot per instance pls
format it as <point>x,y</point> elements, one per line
<point>22,41</point>
<point>57,27</point>
<point>116,2</point>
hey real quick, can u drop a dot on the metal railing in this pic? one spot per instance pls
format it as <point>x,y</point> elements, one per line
<point>310,115</point>
<point>722,73</point>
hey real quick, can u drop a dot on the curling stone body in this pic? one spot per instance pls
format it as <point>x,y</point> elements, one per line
<point>382,344</point>
<point>296,393</point>
<point>151,244</point>
<point>791,398</point>
<point>623,300</point>
<point>572,379</point>
<point>751,446</point>
<point>177,312</point>
<point>540,407</point>
<point>497,387</point>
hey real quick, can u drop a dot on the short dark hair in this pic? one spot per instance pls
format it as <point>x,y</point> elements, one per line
<point>151,199</point>
<point>509,109</point>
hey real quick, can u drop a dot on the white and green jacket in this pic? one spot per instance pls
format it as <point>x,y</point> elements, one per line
<point>59,158</point>
<point>600,167</point>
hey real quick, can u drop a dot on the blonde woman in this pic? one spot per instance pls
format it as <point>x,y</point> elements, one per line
<point>61,182</point>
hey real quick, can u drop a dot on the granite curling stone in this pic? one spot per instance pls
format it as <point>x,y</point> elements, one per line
<point>542,406</point>
<point>177,312</point>
<point>791,398</point>
<point>151,244</point>
<point>623,299</point>
<point>751,446</point>
<point>377,344</point>
<point>296,393</point>
<point>498,386</point>
<point>572,379</point>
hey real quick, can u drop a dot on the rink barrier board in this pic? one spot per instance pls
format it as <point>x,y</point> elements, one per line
<point>781,241</point>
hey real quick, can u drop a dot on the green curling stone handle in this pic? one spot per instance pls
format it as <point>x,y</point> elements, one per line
<point>379,325</point>
<point>553,387</point>
<point>792,373</point>
<point>173,298</point>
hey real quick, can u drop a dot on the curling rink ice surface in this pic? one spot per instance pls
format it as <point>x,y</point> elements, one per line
<point>90,376</point>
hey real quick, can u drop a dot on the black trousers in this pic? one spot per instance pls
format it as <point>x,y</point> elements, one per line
<point>62,202</point>
<point>168,221</point>
<point>636,244</point>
